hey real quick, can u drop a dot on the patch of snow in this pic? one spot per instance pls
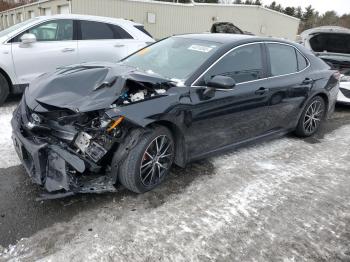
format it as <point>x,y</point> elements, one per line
<point>8,154</point>
<point>160,91</point>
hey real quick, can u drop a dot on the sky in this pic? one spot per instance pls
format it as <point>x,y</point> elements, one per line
<point>340,6</point>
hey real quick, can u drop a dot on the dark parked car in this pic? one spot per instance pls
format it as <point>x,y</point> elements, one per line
<point>227,28</point>
<point>85,128</point>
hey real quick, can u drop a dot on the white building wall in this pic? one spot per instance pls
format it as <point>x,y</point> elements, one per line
<point>162,19</point>
<point>192,18</point>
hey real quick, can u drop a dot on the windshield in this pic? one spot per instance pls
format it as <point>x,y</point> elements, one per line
<point>331,43</point>
<point>15,27</point>
<point>174,57</point>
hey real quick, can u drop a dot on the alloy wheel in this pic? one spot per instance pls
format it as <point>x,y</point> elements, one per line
<point>156,160</point>
<point>313,117</point>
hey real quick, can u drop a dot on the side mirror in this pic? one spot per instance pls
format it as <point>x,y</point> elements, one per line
<point>221,82</point>
<point>28,39</point>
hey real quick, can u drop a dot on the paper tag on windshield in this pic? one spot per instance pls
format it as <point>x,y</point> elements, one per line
<point>200,48</point>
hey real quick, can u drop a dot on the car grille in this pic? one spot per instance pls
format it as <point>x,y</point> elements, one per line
<point>345,92</point>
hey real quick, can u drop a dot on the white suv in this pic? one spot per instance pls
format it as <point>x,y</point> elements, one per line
<point>43,44</point>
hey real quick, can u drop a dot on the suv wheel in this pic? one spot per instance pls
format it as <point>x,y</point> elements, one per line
<point>4,89</point>
<point>149,162</point>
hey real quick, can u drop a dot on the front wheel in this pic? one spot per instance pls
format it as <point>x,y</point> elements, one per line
<point>312,117</point>
<point>149,162</point>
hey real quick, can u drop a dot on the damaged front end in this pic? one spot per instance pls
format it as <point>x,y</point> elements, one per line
<point>66,145</point>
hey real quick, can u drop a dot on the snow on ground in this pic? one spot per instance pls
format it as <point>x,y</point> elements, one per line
<point>8,154</point>
<point>285,200</point>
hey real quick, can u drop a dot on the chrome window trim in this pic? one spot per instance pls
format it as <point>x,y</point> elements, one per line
<point>265,78</point>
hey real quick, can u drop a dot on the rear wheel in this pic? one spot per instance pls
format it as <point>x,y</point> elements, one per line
<point>149,162</point>
<point>312,117</point>
<point>4,89</point>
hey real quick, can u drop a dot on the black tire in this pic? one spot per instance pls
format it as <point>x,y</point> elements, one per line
<point>312,117</point>
<point>134,168</point>
<point>4,89</point>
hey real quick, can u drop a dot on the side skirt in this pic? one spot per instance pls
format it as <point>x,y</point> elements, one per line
<point>262,138</point>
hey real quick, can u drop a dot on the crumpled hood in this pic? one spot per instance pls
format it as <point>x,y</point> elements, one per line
<point>83,88</point>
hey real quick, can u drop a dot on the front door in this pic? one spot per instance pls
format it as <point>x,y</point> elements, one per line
<point>231,116</point>
<point>54,47</point>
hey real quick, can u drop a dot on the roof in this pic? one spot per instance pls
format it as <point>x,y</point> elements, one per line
<point>219,38</point>
<point>90,17</point>
<point>231,38</point>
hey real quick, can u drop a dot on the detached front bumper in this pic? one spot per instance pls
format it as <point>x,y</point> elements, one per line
<point>50,165</point>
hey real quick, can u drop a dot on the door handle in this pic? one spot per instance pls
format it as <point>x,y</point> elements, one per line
<point>308,81</point>
<point>261,91</point>
<point>119,45</point>
<point>65,50</point>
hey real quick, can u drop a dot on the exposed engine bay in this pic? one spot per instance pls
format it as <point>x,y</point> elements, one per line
<point>79,142</point>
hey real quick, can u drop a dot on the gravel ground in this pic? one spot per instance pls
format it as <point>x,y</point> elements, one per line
<point>283,200</point>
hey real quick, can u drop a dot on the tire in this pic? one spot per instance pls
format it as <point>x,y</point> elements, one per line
<point>312,117</point>
<point>4,89</point>
<point>144,168</point>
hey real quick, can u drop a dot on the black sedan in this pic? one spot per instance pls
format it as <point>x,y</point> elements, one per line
<point>86,128</point>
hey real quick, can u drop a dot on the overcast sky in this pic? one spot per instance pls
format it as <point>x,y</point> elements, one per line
<point>340,6</point>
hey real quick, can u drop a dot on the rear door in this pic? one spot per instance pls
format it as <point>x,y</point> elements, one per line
<point>55,47</point>
<point>289,84</point>
<point>100,41</point>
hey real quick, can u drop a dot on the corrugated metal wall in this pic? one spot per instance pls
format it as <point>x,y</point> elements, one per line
<point>175,18</point>
<point>178,19</point>
<point>17,15</point>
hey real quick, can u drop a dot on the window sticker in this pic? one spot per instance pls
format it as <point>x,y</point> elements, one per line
<point>143,51</point>
<point>200,48</point>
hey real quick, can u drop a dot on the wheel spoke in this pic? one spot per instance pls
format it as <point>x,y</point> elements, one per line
<point>144,179</point>
<point>147,164</point>
<point>149,155</point>
<point>166,149</point>
<point>165,156</point>
<point>159,172</point>
<point>162,143</point>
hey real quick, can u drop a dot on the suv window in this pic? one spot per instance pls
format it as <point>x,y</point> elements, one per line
<point>283,59</point>
<point>97,31</point>
<point>57,30</point>
<point>143,30</point>
<point>242,64</point>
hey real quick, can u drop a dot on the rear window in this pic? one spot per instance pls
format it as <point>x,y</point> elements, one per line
<point>97,31</point>
<point>143,30</point>
<point>331,42</point>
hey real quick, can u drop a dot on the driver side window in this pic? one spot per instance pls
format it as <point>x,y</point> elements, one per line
<point>242,64</point>
<point>57,30</point>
